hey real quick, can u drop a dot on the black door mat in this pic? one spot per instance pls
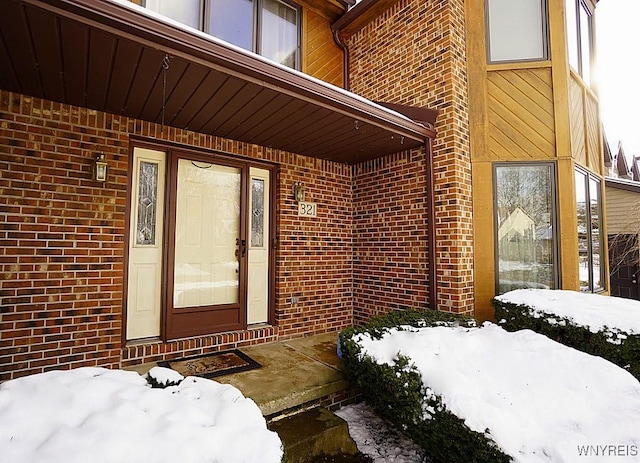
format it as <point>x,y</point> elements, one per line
<point>212,365</point>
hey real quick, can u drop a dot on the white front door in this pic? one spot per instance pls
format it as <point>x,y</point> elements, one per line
<point>146,244</point>
<point>208,270</point>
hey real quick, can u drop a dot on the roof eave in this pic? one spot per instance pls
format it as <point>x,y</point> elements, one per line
<point>124,21</point>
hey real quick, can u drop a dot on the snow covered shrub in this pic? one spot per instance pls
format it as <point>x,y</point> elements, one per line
<point>609,342</point>
<point>397,393</point>
<point>160,377</point>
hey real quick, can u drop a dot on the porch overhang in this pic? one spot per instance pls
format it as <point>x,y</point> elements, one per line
<point>108,55</point>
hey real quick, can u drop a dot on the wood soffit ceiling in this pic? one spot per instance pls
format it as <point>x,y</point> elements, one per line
<point>109,57</point>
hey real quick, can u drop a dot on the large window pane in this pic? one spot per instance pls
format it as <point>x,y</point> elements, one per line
<point>206,235</point>
<point>268,27</point>
<point>579,34</point>
<point>572,34</point>
<point>184,11</point>
<point>279,38</point>
<point>594,210</point>
<point>232,20</point>
<point>590,238</point>
<point>516,30</point>
<point>585,44</point>
<point>525,208</point>
<point>584,266</point>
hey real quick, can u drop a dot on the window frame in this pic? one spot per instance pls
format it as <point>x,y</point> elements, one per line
<point>258,43</point>
<point>589,177</point>
<point>544,11</point>
<point>553,219</point>
<point>256,40</point>
<point>580,6</point>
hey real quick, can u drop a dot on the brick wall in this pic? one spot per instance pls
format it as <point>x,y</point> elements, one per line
<point>414,54</point>
<point>62,241</point>
<point>390,239</point>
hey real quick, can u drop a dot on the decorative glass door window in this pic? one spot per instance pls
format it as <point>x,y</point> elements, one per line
<point>257,212</point>
<point>147,204</point>
<point>525,226</point>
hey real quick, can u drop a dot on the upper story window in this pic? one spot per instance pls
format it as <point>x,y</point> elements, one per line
<point>516,30</point>
<point>579,37</point>
<point>270,28</point>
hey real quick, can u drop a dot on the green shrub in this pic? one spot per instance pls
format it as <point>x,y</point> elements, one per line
<point>615,345</point>
<point>398,394</point>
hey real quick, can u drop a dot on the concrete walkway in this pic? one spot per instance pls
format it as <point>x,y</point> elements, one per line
<point>293,373</point>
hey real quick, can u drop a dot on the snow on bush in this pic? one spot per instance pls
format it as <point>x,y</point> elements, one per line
<point>538,400</point>
<point>111,416</point>
<point>600,325</point>
<point>593,311</point>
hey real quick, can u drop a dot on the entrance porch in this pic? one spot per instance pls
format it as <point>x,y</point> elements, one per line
<point>296,374</point>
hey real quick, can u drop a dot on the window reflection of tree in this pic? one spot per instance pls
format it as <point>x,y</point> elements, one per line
<point>524,207</point>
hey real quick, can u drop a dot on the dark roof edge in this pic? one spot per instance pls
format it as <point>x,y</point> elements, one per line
<point>352,14</point>
<point>621,184</point>
<point>125,21</point>
<point>424,116</point>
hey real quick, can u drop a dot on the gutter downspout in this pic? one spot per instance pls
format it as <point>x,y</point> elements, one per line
<point>431,231</point>
<point>345,53</point>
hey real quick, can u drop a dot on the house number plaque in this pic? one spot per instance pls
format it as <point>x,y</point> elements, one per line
<point>307,209</point>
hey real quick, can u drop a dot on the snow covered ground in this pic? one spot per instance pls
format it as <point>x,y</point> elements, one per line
<point>112,416</point>
<point>540,401</point>
<point>593,311</point>
<point>376,439</point>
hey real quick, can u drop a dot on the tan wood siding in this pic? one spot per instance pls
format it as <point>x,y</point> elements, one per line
<point>520,108</point>
<point>594,146</point>
<point>322,58</point>
<point>576,114</point>
<point>623,211</point>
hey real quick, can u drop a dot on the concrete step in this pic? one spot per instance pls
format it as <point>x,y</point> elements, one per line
<point>312,433</point>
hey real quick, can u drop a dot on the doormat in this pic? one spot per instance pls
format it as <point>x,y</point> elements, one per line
<point>212,365</point>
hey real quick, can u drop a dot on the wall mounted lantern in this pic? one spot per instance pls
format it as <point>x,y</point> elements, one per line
<point>298,192</point>
<point>100,168</point>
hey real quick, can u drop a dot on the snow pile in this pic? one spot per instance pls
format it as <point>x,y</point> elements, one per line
<point>593,311</point>
<point>539,400</point>
<point>111,416</point>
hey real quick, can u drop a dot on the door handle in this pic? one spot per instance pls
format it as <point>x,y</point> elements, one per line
<point>242,247</point>
<point>242,244</point>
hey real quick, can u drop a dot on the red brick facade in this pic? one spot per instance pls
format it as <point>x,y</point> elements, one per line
<point>414,54</point>
<point>62,259</point>
<point>62,255</point>
<point>391,235</point>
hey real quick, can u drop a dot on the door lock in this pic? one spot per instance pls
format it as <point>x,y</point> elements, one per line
<point>242,245</point>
